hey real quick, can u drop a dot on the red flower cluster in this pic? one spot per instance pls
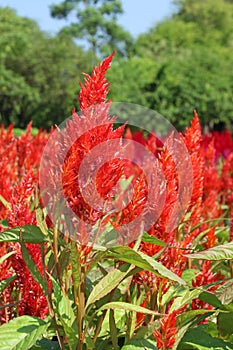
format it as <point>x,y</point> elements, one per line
<point>212,191</point>
<point>19,162</point>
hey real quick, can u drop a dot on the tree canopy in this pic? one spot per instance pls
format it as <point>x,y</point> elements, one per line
<point>189,60</point>
<point>39,74</point>
<point>96,22</point>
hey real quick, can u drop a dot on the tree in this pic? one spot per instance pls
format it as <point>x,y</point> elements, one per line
<point>39,74</point>
<point>95,22</point>
<point>192,52</point>
<point>213,17</point>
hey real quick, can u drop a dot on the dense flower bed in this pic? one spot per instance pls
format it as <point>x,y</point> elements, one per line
<point>206,223</point>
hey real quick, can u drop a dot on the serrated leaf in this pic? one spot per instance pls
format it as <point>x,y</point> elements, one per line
<point>30,233</point>
<point>221,252</point>
<point>107,284</point>
<point>6,282</point>
<point>128,307</point>
<point>22,333</point>
<point>144,261</point>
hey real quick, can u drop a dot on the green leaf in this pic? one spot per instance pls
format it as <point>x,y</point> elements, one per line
<point>75,266</point>
<point>6,256</point>
<point>143,261</point>
<point>126,182</point>
<point>113,330</point>
<point>46,344</point>
<point>64,259</point>
<point>4,223</point>
<point>225,323</point>
<point>128,307</point>
<point>221,252</point>
<point>151,239</point>
<point>65,312</point>
<point>41,222</point>
<point>189,274</point>
<point>197,338</point>
<point>225,292</point>
<point>188,316</point>
<point>22,333</point>
<point>107,284</point>
<point>30,233</point>
<point>137,344</point>
<point>33,268</point>
<point>5,203</point>
<point>186,298</point>
<point>211,299</point>
<point>6,282</point>
<point>120,320</point>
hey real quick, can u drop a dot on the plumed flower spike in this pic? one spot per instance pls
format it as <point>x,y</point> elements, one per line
<point>96,86</point>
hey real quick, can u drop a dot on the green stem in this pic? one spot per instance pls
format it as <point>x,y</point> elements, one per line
<point>101,319</point>
<point>56,260</point>
<point>79,276</point>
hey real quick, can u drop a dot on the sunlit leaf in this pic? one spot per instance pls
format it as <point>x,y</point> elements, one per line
<point>198,339</point>
<point>30,234</point>
<point>144,261</point>
<point>107,284</point>
<point>128,307</point>
<point>221,252</point>
<point>151,239</point>
<point>6,256</point>
<point>225,292</point>
<point>65,313</point>
<point>22,332</point>
<point>137,344</point>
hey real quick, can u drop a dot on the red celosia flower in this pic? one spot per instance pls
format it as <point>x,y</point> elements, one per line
<point>222,141</point>
<point>140,316</point>
<point>192,139</point>
<point>96,86</point>
<point>205,276</point>
<point>92,128</point>
<point>32,300</point>
<point>19,161</point>
<point>166,336</point>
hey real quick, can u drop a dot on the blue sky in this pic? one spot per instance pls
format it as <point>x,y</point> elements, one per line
<point>139,15</point>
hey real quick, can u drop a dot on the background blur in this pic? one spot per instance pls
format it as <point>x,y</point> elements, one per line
<point>172,56</point>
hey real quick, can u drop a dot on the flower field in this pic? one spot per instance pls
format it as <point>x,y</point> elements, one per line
<point>169,286</point>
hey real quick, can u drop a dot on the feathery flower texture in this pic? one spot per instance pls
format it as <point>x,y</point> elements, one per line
<point>91,186</point>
